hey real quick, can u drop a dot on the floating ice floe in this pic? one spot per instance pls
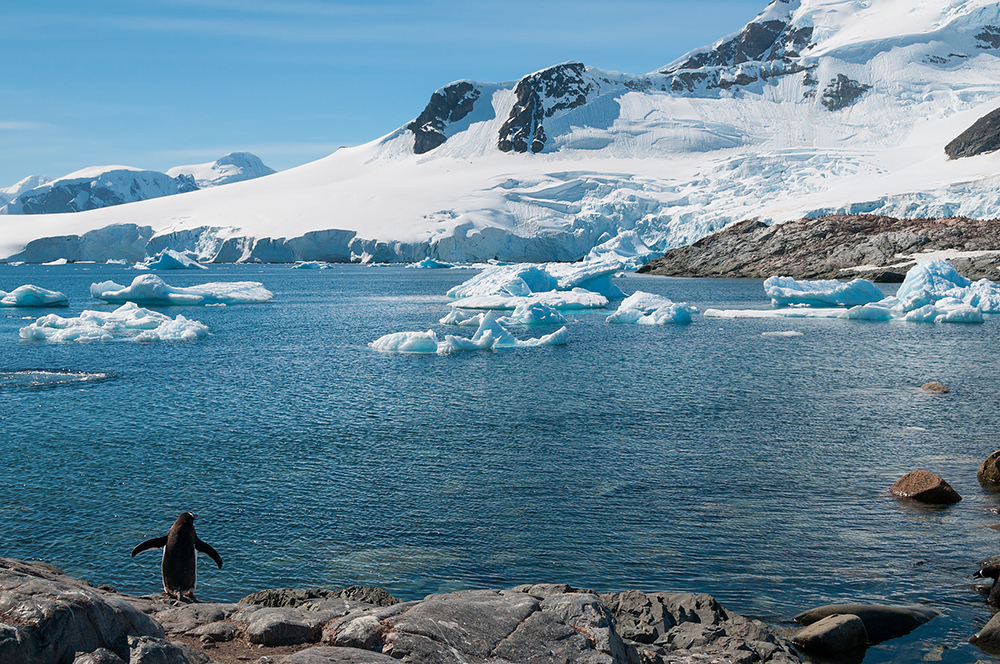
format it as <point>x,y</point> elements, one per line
<point>870,311</point>
<point>490,335</point>
<point>150,289</point>
<point>430,263</point>
<point>168,259</point>
<point>311,265</point>
<point>58,261</point>
<point>785,291</point>
<point>523,279</point>
<point>30,295</point>
<point>649,309</point>
<point>128,321</point>
<point>784,334</point>
<point>578,298</point>
<point>790,312</point>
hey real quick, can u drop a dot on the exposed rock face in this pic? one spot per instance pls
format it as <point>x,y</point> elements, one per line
<point>540,96</point>
<point>833,247</point>
<point>982,137</point>
<point>836,633</point>
<point>47,617</point>
<point>989,473</point>
<point>296,597</point>
<point>842,92</point>
<point>925,487</point>
<point>449,104</point>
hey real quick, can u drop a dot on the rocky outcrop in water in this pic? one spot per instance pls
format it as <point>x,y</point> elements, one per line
<point>835,247</point>
<point>47,617</point>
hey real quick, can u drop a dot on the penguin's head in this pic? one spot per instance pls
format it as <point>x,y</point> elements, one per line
<point>184,520</point>
<point>991,572</point>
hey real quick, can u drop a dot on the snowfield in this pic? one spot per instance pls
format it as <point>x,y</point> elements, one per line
<point>819,106</point>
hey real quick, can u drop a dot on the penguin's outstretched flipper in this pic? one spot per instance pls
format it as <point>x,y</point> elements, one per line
<point>155,543</point>
<point>208,551</point>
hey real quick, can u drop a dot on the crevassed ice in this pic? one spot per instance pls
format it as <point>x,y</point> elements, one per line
<point>490,335</point>
<point>650,309</point>
<point>149,288</point>
<point>785,291</point>
<point>30,295</point>
<point>128,321</point>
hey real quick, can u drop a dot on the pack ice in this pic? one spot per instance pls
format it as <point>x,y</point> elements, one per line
<point>30,295</point>
<point>151,289</point>
<point>128,321</point>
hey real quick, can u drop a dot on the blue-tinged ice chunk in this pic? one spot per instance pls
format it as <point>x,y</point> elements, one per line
<point>785,291</point>
<point>577,298</point>
<point>462,319</point>
<point>936,277</point>
<point>407,342</point>
<point>311,265</point>
<point>945,310</point>
<point>650,309</point>
<point>128,321</point>
<point>624,251</point>
<point>519,279</point>
<point>870,311</point>
<point>430,263</point>
<point>150,289</point>
<point>984,295</point>
<point>30,295</point>
<point>533,313</point>
<point>168,259</point>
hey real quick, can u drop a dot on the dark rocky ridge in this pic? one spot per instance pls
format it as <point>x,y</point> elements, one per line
<point>832,248</point>
<point>983,136</point>
<point>563,85</point>
<point>449,104</point>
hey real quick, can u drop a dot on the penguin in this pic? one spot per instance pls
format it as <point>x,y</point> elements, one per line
<point>991,572</point>
<point>179,565</point>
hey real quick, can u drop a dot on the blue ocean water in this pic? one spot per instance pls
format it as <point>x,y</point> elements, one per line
<point>702,457</point>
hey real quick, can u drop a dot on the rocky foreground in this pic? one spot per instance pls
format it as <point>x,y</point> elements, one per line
<point>47,617</point>
<point>836,247</point>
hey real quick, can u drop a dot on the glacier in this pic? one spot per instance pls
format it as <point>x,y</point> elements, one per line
<point>151,289</point>
<point>127,322</point>
<point>30,295</point>
<point>815,107</point>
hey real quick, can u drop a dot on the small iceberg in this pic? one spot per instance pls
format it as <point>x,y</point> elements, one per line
<point>785,291</point>
<point>524,279</point>
<point>128,321</point>
<point>578,298</point>
<point>33,296</point>
<point>534,313</point>
<point>311,265</point>
<point>461,318</point>
<point>489,336</point>
<point>649,309</point>
<point>151,289</point>
<point>431,264</point>
<point>168,259</point>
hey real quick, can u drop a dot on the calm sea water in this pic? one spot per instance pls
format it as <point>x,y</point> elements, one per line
<point>703,457</point>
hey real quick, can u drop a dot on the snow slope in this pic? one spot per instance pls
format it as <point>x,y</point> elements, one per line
<point>817,106</point>
<point>234,167</point>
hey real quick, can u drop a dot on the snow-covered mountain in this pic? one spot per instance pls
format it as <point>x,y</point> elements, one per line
<point>105,186</point>
<point>816,106</point>
<point>234,167</point>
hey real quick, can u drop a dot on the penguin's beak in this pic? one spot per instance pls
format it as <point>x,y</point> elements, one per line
<point>194,516</point>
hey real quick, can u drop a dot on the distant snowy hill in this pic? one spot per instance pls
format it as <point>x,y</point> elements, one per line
<point>234,167</point>
<point>815,107</point>
<point>105,186</point>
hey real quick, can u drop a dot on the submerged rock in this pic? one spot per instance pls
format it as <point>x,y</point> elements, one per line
<point>925,487</point>
<point>835,633</point>
<point>989,473</point>
<point>881,622</point>
<point>934,387</point>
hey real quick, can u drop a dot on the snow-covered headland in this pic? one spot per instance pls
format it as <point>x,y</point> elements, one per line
<point>816,107</point>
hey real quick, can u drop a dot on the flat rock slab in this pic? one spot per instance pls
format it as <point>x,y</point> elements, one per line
<point>925,487</point>
<point>836,633</point>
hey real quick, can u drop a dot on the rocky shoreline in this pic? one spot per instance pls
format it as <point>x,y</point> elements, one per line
<point>836,247</point>
<point>47,617</point>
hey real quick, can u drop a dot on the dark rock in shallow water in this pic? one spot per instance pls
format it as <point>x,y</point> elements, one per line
<point>989,473</point>
<point>835,633</point>
<point>934,387</point>
<point>925,487</point>
<point>881,622</point>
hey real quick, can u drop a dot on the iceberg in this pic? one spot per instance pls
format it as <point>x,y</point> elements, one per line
<point>430,263</point>
<point>151,289</point>
<point>489,336</point>
<point>168,259</point>
<point>128,321</point>
<point>462,319</point>
<point>533,313</point>
<point>522,279</point>
<point>311,265</point>
<point>945,310</point>
<point>870,311</point>
<point>577,298</point>
<point>785,291</point>
<point>649,309</point>
<point>929,282</point>
<point>30,295</point>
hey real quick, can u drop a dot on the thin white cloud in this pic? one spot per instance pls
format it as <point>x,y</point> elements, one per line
<point>22,126</point>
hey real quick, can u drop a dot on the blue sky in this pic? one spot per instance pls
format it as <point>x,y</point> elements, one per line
<point>155,84</point>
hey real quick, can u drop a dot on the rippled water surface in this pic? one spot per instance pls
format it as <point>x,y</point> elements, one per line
<point>704,457</point>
